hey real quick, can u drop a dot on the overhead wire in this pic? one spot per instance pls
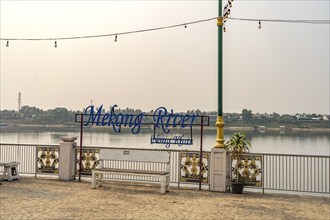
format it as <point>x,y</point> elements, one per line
<point>283,20</point>
<point>165,27</point>
<point>113,34</point>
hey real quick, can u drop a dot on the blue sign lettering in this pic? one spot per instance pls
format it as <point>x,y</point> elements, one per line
<point>113,119</point>
<point>163,119</point>
<point>178,140</point>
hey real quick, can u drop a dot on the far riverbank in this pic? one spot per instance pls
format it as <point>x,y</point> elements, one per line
<point>211,127</point>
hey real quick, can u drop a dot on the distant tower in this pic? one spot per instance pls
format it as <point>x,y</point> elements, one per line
<point>19,101</point>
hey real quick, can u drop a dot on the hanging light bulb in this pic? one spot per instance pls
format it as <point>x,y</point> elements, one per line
<point>224,29</point>
<point>55,45</point>
<point>259,27</point>
<point>7,44</point>
<point>116,38</point>
<point>225,10</point>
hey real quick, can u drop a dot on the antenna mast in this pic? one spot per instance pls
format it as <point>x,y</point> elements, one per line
<point>19,101</point>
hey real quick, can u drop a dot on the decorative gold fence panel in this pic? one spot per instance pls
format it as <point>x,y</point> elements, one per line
<point>89,160</point>
<point>248,169</point>
<point>190,167</point>
<point>48,159</point>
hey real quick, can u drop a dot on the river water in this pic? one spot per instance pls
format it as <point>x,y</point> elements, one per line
<point>288,142</point>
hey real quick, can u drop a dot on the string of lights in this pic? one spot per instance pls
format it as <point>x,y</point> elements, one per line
<point>112,34</point>
<point>225,18</point>
<point>225,14</point>
<point>283,21</point>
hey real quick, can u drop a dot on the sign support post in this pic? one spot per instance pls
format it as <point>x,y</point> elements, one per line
<point>81,140</point>
<point>201,156</point>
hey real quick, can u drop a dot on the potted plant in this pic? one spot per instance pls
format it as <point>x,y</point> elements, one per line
<point>238,145</point>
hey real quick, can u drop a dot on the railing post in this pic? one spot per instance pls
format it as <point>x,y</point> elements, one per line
<point>36,164</point>
<point>263,161</point>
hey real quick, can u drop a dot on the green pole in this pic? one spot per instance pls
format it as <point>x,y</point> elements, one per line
<point>220,62</point>
<point>220,123</point>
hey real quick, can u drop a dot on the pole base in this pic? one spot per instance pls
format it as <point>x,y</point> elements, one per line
<point>220,141</point>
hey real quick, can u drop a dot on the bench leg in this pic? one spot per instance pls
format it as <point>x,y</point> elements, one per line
<point>7,174</point>
<point>167,183</point>
<point>163,185</point>
<point>101,179</point>
<point>10,171</point>
<point>93,180</point>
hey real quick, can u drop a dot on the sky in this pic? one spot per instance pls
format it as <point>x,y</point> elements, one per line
<point>282,67</point>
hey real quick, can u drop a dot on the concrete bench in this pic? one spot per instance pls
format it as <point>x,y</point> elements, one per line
<point>10,171</point>
<point>141,157</point>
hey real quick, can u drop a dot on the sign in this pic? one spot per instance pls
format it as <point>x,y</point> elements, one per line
<point>178,140</point>
<point>162,119</point>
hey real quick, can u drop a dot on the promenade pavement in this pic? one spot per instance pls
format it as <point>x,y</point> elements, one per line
<point>40,198</point>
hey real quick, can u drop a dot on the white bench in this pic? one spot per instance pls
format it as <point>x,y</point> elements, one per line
<point>131,156</point>
<point>10,170</point>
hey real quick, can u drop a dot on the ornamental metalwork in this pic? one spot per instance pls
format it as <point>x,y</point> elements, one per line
<point>89,160</point>
<point>247,168</point>
<point>190,167</point>
<point>47,159</point>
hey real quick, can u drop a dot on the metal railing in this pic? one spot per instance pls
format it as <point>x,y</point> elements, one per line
<point>284,172</point>
<point>44,159</point>
<point>184,165</point>
<point>34,158</point>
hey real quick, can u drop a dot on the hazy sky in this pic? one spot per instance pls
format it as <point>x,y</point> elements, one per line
<point>282,67</point>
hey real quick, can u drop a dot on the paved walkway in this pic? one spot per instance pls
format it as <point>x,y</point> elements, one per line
<point>31,198</point>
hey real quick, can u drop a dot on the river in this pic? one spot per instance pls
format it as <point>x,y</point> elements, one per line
<point>288,142</point>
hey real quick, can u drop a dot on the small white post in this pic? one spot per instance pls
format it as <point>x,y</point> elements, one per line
<point>219,170</point>
<point>67,159</point>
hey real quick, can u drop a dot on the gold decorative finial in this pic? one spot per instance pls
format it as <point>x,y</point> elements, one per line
<point>220,141</point>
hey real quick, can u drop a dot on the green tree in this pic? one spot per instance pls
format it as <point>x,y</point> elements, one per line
<point>247,115</point>
<point>27,110</point>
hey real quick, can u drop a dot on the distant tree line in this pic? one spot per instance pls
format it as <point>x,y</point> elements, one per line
<point>34,115</point>
<point>247,118</point>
